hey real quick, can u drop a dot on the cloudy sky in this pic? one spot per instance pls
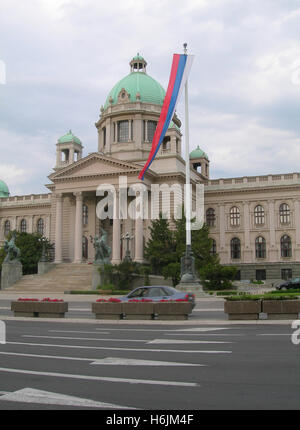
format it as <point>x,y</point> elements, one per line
<point>60,58</point>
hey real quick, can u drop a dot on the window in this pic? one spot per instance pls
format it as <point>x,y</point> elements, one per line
<point>234,216</point>
<point>284,213</point>
<point>40,226</point>
<point>260,247</point>
<point>85,245</point>
<point>85,215</point>
<point>259,215</point>
<point>235,248</point>
<point>213,249</point>
<point>104,135</point>
<point>210,217</point>
<point>123,131</point>
<point>286,274</point>
<point>23,226</point>
<point>166,143</point>
<point>6,228</point>
<point>151,129</point>
<point>286,246</point>
<point>260,274</point>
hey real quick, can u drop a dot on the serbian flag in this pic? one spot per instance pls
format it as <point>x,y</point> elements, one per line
<point>179,73</point>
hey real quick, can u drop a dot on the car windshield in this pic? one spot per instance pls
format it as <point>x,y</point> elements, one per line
<point>296,280</point>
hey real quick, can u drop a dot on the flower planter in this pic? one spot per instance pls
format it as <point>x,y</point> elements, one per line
<point>243,309</point>
<point>172,310</point>
<point>281,309</point>
<point>106,310</point>
<point>39,309</point>
<point>138,311</point>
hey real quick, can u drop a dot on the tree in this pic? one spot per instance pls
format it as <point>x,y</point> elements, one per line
<point>217,277</point>
<point>31,250</point>
<point>160,248</point>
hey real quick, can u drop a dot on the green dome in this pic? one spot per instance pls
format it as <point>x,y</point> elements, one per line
<point>69,137</point>
<point>149,89</point>
<point>198,153</point>
<point>4,191</point>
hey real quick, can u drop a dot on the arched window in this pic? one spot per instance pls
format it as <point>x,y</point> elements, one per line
<point>40,226</point>
<point>85,214</point>
<point>6,228</point>
<point>234,216</point>
<point>286,246</point>
<point>235,248</point>
<point>260,247</point>
<point>23,226</point>
<point>259,215</point>
<point>210,217</point>
<point>284,213</point>
<point>213,249</point>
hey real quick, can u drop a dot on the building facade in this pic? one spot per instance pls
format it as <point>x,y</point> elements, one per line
<point>254,221</point>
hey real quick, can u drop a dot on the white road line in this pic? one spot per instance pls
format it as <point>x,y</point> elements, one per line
<point>274,334</point>
<point>105,361</point>
<point>86,338</point>
<point>208,310</point>
<point>179,341</point>
<point>106,348</point>
<point>193,329</point>
<point>132,362</point>
<point>30,395</point>
<point>99,378</point>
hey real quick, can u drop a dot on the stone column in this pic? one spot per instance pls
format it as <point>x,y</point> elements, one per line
<point>272,246</point>
<point>247,248</point>
<point>139,242</point>
<point>58,228</point>
<point>297,226</point>
<point>78,229</point>
<point>116,248</point>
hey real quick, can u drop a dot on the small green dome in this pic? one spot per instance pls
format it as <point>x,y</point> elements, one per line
<point>138,57</point>
<point>4,191</point>
<point>149,90</point>
<point>69,137</point>
<point>198,153</point>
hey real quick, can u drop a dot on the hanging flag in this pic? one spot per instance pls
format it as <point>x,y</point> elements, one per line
<point>179,73</point>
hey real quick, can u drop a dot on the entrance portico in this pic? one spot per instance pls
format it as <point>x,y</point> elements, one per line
<point>76,218</point>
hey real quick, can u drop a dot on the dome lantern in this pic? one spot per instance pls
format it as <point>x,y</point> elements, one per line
<point>138,64</point>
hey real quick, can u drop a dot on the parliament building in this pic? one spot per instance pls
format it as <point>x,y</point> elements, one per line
<point>254,221</point>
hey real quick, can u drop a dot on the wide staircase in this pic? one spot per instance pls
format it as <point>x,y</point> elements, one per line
<point>63,277</point>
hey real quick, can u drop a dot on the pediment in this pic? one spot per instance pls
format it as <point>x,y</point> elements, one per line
<point>95,165</point>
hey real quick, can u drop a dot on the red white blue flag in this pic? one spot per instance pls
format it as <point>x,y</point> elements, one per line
<point>181,67</point>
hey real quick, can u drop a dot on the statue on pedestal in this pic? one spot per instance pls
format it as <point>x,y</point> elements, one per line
<point>102,250</point>
<point>13,252</point>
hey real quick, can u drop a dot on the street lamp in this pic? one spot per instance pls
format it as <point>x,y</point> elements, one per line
<point>128,238</point>
<point>44,258</point>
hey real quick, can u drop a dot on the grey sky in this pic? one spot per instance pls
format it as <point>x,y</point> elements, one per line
<point>62,57</point>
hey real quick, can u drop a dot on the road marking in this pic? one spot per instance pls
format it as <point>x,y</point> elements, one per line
<point>105,361</point>
<point>99,378</point>
<point>30,395</point>
<point>106,348</point>
<point>208,310</point>
<point>133,362</point>
<point>274,334</point>
<point>80,309</point>
<point>197,329</point>
<point>167,341</point>
<point>203,329</point>
<point>86,338</point>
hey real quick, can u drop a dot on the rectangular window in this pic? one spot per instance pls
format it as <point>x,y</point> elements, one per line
<point>260,275</point>
<point>286,274</point>
<point>123,131</point>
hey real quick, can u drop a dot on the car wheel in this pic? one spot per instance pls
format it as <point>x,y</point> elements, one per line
<point>283,288</point>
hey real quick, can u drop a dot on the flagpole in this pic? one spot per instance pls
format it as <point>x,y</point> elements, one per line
<point>187,165</point>
<point>188,281</point>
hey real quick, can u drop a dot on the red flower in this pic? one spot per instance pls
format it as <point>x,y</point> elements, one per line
<point>114,300</point>
<point>101,300</point>
<point>21,299</point>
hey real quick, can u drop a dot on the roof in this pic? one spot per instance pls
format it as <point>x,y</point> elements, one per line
<point>69,137</point>
<point>4,191</point>
<point>198,153</point>
<point>149,90</point>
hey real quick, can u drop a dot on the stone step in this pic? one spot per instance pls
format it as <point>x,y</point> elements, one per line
<point>62,277</point>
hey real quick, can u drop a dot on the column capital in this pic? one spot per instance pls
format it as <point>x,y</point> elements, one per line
<point>78,195</point>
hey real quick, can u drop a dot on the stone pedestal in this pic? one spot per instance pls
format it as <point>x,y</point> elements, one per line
<point>11,273</point>
<point>44,267</point>
<point>98,278</point>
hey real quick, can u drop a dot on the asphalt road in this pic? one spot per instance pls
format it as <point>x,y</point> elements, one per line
<point>68,365</point>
